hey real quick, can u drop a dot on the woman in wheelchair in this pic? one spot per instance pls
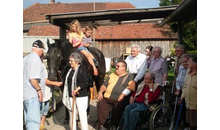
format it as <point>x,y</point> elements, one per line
<point>147,92</point>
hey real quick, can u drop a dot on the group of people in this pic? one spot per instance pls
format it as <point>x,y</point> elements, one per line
<point>135,84</point>
<point>185,80</point>
<point>131,89</point>
<point>37,88</point>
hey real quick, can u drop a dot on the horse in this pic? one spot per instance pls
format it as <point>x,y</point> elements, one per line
<point>58,62</point>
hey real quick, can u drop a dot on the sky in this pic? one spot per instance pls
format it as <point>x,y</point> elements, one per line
<point>136,3</point>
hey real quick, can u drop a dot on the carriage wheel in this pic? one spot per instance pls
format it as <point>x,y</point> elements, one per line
<point>161,118</point>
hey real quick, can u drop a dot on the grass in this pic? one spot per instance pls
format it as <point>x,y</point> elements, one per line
<point>170,76</point>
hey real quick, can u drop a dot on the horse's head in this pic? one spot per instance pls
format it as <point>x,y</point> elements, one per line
<point>54,58</point>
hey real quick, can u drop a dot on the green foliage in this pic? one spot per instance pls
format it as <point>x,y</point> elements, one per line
<point>192,52</point>
<point>190,35</point>
<point>172,52</point>
<point>169,2</point>
<point>170,76</point>
<point>189,30</point>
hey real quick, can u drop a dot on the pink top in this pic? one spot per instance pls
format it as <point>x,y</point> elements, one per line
<point>75,40</point>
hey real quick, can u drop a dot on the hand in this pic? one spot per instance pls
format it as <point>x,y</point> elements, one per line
<point>75,92</point>
<point>131,100</point>
<point>40,96</point>
<point>166,82</point>
<point>180,100</point>
<point>58,84</point>
<point>100,96</point>
<point>176,93</point>
<point>121,97</point>
<point>151,85</point>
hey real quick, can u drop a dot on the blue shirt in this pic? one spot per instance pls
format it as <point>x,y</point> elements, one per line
<point>181,77</point>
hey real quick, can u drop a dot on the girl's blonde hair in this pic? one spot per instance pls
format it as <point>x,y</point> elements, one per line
<point>78,26</point>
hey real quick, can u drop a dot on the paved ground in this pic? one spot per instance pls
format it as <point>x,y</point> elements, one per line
<point>55,122</point>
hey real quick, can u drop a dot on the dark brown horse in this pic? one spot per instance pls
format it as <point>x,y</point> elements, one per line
<point>58,61</point>
<point>58,65</point>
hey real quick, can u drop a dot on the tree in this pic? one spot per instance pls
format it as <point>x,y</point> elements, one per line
<point>189,30</point>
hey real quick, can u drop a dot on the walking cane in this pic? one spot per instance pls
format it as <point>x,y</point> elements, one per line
<point>179,115</point>
<point>172,88</point>
<point>174,112</point>
<point>73,111</point>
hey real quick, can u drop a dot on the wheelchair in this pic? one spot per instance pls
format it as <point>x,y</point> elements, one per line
<point>154,118</point>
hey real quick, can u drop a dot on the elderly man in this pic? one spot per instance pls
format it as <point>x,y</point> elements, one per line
<point>147,92</point>
<point>137,64</point>
<point>179,50</point>
<point>115,88</point>
<point>158,66</point>
<point>33,85</point>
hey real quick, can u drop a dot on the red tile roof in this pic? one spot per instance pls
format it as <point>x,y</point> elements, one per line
<point>125,31</point>
<point>44,30</point>
<point>37,12</point>
<point>133,31</point>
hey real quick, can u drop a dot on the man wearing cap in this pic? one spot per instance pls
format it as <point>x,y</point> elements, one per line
<point>33,85</point>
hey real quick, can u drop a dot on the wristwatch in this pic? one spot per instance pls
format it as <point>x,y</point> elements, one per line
<point>151,90</point>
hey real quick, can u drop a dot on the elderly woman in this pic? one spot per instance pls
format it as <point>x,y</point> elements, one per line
<point>190,93</point>
<point>76,86</point>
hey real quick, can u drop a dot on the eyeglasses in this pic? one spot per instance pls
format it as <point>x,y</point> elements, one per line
<point>71,61</point>
<point>184,61</point>
<point>117,66</point>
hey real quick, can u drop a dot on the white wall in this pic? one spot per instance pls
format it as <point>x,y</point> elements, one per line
<point>28,41</point>
<point>107,64</point>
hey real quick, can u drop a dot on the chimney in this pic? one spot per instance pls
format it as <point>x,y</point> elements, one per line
<point>52,2</point>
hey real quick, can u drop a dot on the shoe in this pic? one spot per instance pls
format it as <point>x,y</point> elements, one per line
<point>66,121</point>
<point>96,72</point>
<point>113,128</point>
<point>41,127</point>
<point>102,128</point>
<point>95,62</point>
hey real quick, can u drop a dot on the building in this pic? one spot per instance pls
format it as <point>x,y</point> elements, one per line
<point>111,40</point>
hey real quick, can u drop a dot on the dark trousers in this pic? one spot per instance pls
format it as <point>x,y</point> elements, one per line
<point>131,115</point>
<point>105,106</point>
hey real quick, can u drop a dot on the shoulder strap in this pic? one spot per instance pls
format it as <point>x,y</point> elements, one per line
<point>123,80</point>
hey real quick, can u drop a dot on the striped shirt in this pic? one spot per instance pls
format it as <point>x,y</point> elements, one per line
<point>87,40</point>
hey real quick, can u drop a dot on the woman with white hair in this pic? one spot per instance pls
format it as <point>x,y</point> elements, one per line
<point>76,88</point>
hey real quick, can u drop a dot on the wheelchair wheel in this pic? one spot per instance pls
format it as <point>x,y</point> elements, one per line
<point>143,121</point>
<point>161,118</point>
